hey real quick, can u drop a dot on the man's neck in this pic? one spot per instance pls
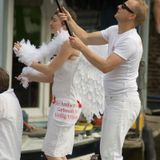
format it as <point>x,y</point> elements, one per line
<point>125,27</point>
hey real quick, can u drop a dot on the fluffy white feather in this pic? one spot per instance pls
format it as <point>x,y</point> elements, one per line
<point>29,53</point>
<point>25,71</point>
<point>88,82</point>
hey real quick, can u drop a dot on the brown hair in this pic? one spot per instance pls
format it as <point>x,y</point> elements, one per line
<point>71,11</point>
<point>140,10</point>
<point>4,80</point>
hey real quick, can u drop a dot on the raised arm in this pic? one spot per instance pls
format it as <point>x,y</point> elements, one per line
<point>65,53</point>
<point>93,38</point>
<point>103,64</point>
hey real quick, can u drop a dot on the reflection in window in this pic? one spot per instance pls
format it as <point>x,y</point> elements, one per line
<point>27,25</point>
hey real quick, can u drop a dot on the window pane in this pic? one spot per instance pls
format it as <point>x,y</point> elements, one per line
<point>27,25</point>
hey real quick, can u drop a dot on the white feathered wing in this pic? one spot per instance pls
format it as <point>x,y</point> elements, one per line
<point>88,82</point>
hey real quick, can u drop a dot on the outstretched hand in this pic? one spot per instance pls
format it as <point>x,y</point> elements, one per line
<point>19,77</point>
<point>22,76</point>
<point>17,47</point>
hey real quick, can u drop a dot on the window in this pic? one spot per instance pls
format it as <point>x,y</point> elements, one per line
<point>27,24</point>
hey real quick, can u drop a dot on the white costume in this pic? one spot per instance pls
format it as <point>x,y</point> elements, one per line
<point>11,126</point>
<point>78,86</point>
<point>122,99</point>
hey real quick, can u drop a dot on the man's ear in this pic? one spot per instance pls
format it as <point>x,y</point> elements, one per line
<point>132,16</point>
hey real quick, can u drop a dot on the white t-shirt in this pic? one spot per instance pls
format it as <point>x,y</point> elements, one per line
<point>11,126</point>
<point>127,45</point>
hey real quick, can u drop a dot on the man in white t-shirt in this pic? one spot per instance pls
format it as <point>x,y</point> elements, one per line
<point>121,71</point>
<point>11,121</point>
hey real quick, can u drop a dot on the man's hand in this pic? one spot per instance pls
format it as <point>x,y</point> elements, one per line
<point>65,15</point>
<point>76,43</point>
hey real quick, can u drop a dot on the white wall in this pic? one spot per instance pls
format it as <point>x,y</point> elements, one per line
<point>6,34</point>
<point>1,30</point>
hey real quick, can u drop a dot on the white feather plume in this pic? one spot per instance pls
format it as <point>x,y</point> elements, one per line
<point>29,53</point>
<point>25,71</point>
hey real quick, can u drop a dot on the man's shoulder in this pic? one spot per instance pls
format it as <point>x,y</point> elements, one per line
<point>111,29</point>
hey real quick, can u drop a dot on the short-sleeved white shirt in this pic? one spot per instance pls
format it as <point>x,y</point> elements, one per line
<point>11,126</point>
<point>128,46</point>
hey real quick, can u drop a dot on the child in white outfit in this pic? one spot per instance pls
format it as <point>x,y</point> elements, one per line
<point>11,121</point>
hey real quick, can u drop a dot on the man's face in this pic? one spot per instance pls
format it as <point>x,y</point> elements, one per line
<point>124,10</point>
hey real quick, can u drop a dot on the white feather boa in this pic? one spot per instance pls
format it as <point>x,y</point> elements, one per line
<point>24,81</point>
<point>29,53</point>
